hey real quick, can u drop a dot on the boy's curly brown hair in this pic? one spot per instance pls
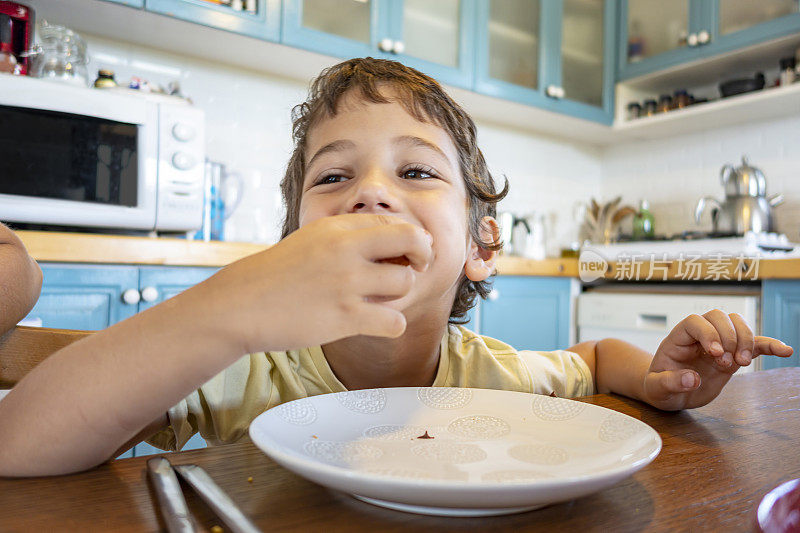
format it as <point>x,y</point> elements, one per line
<point>425,100</point>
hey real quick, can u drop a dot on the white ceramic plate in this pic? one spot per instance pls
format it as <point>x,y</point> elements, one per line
<point>492,452</point>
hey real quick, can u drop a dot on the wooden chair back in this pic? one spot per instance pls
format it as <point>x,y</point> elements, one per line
<point>23,348</point>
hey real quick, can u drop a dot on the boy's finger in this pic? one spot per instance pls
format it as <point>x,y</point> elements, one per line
<point>695,328</point>
<point>770,346</point>
<point>724,326</point>
<point>745,340</point>
<point>662,385</point>
<point>386,281</point>
<point>379,320</point>
<point>398,241</point>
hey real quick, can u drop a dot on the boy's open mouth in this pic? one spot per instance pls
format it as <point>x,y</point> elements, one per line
<point>400,260</point>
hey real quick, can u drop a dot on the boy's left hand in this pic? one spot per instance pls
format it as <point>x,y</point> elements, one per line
<point>699,356</point>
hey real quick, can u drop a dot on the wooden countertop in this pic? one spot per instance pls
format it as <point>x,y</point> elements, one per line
<point>114,249</point>
<point>716,464</point>
<point>96,248</point>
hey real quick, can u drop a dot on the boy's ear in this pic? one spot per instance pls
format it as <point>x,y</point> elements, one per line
<point>480,261</point>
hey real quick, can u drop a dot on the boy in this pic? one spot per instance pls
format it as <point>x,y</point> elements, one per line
<point>20,280</point>
<point>389,236</point>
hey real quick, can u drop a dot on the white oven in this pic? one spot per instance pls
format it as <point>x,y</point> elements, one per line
<point>75,156</point>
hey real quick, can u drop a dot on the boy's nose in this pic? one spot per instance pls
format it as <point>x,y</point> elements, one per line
<point>371,196</point>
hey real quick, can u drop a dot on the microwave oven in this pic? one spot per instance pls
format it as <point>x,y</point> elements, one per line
<point>102,158</point>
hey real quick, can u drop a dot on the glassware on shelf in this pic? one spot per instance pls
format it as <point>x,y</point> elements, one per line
<point>60,55</point>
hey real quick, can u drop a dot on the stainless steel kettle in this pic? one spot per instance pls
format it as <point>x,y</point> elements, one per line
<point>744,180</point>
<point>524,236</point>
<point>745,207</point>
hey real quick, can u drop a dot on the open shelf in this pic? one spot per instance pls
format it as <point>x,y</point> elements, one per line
<point>765,104</point>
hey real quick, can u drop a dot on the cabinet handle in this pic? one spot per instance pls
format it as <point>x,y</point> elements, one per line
<point>131,297</point>
<point>386,45</point>
<point>493,295</point>
<point>703,37</point>
<point>398,47</point>
<point>554,91</point>
<point>149,294</point>
<point>692,39</point>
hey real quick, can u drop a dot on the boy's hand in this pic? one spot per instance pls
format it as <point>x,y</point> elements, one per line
<point>699,356</point>
<point>324,282</point>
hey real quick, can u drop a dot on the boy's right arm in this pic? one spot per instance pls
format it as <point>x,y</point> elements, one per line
<point>321,283</point>
<point>20,280</point>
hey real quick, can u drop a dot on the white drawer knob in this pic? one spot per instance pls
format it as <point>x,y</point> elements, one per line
<point>554,91</point>
<point>703,37</point>
<point>493,295</point>
<point>398,47</point>
<point>149,294</point>
<point>386,45</point>
<point>131,297</point>
<point>692,39</point>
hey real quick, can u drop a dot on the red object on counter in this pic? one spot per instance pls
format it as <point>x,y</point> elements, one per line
<point>21,24</point>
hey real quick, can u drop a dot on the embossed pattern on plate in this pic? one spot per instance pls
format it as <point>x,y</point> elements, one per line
<point>480,451</point>
<point>363,401</point>
<point>556,409</point>
<point>299,412</point>
<point>444,397</point>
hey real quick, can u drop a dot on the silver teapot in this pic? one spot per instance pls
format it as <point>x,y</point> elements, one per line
<point>745,207</point>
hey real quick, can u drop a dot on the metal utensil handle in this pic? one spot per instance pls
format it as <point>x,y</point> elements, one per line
<point>170,497</point>
<point>216,498</point>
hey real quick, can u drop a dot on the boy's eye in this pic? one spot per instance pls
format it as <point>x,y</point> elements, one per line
<point>418,173</point>
<point>331,178</point>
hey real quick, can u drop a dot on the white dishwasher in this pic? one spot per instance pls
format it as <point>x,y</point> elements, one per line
<point>645,318</point>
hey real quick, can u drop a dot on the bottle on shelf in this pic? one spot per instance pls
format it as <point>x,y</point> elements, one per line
<point>643,222</point>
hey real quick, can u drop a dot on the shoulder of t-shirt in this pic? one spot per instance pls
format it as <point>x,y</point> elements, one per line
<point>491,344</point>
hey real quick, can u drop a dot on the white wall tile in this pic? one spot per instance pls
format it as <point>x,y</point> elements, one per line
<point>677,171</point>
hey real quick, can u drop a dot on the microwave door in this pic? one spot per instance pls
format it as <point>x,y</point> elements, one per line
<point>77,157</point>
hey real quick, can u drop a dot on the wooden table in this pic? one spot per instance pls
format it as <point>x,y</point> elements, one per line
<point>716,464</point>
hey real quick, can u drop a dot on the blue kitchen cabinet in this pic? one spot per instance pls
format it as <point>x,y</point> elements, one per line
<point>93,297</point>
<point>557,55</point>
<point>655,35</point>
<point>434,37</point>
<point>84,297</point>
<point>780,318</point>
<point>341,29</point>
<point>262,23</point>
<point>529,313</point>
<point>157,284</point>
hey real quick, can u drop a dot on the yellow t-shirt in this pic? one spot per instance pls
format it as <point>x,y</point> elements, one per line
<point>222,409</point>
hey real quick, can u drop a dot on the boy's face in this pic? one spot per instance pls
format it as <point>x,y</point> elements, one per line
<point>376,158</point>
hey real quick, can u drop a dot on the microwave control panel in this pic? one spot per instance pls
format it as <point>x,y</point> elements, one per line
<point>181,163</point>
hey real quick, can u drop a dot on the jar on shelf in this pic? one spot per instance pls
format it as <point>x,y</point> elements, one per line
<point>105,79</point>
<point>787,70</point>
<point>634,110</point>
<point>664,103</point>
<point>681,99</point>
<point>650,108</point>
